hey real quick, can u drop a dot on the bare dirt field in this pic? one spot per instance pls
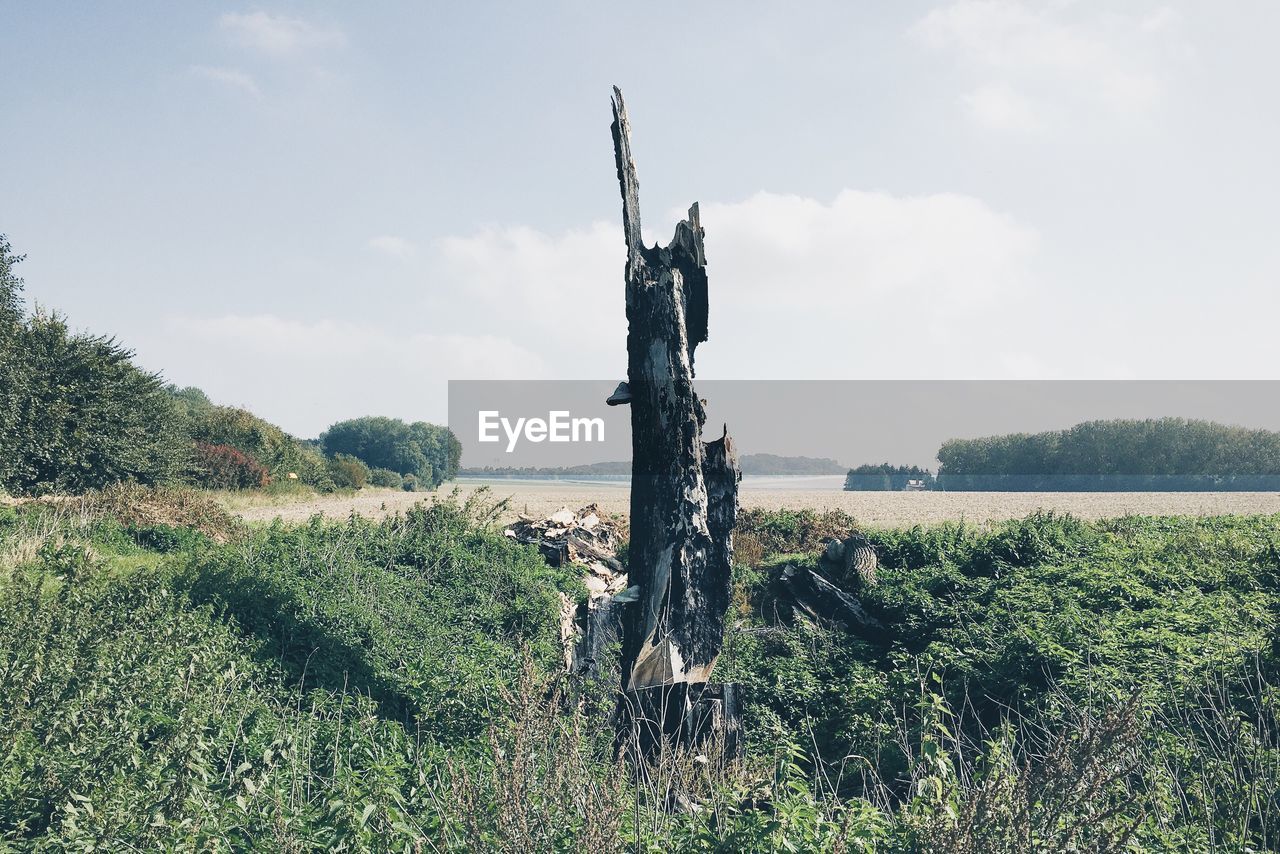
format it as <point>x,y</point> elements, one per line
<point>874,509</point>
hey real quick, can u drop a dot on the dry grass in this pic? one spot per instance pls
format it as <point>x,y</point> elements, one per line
<point>873,509</point>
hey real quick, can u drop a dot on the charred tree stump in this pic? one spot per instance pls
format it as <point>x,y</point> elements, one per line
<point>684,492</point>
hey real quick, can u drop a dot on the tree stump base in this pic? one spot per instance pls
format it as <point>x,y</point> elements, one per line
<point>691,715</point>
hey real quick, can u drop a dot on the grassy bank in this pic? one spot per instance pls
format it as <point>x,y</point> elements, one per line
<point>173,678</point>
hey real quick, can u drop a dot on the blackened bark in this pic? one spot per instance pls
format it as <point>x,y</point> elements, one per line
<point>684,493</point>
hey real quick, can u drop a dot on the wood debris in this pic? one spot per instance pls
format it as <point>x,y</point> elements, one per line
<point>587,537</point>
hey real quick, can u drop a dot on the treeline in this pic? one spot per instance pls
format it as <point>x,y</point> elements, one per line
<point>886,478</point>
<point>396,453</point>
<point>77,414</point>
<point>773,464</point>
<point>1165,454</point>
<point>752,464</point>
<point>611,468</point>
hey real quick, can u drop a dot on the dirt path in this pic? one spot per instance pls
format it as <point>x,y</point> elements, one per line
<point>877,509</point>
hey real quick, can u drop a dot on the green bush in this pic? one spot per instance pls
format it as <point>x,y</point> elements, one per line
<point>75,412</point>
<point>166,538</point>
<point>424,613</point>
<point>262,442</point>
<point>347,472</point>
<point>385,478</point>
<point>1036,624</point>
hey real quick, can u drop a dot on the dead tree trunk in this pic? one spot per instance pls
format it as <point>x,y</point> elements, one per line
<point>684,492</point>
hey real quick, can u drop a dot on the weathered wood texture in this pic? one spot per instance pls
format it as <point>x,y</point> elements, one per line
<point>797,590</point>
<point>684,492</point>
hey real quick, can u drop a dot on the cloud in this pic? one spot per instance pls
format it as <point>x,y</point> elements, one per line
<point>559,293</point>
<point>1163,19</point>
<point>1057,56</point>
<point>392,246</point>
<point>943,247</point>
<point>232,77</point>
<point>340,340</point>
<point>1001,107</point>
<point>866,284</point>
<point>305,374</point>
<point>800,287</point>
<point>278,35</point>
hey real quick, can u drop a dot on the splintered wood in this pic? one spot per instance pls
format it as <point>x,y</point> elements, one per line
<point>684,492</point>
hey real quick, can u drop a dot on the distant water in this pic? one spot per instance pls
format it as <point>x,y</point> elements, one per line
<point>784,481</point>
<point>833,482</point>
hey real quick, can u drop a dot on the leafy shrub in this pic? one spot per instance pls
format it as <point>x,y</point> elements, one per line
<point>1048,684</point>
<point>347,472</point>
<point>224,467</point>
<point>266,444</point>
<point>166,538</point>
<point>425,613</point>
<point>131,720</point>
<point>1045,625</point>
<point>410,483</point>
<point>147,507</point>
<point>385,478</point>
<point>75,412</point>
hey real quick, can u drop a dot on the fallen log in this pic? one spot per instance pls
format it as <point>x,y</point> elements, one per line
<point>801,591</point>
<point>798,591</point>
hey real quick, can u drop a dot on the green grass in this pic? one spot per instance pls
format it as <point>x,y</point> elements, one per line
<point>394,685</point>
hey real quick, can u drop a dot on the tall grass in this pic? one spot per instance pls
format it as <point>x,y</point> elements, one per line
<point>1047,685</point>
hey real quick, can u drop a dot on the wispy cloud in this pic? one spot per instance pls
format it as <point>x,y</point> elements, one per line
<point>836,284</point>
<point>230,77</point>
<point>1034,61</point>
<point>392,246</point>
<point>305,374</point>
<point>1001,107</point>
<point>278,35</point>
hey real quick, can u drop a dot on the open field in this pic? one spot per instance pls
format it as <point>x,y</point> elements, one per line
<point>876,509</point>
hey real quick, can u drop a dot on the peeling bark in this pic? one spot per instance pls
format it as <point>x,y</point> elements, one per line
<point>684,492</point>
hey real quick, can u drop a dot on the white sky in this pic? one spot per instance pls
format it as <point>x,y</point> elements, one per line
<point>323,211</point>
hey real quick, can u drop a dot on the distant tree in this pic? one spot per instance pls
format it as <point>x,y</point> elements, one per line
<point>1159,453</point>
<point>75,412</point>
<point>78,414</point>
<point>10,286</point>
<point>13,369</point>
<point>886,478</point>
<point>190,398</point>
<point>772,464</point>
<point>428,452</point>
